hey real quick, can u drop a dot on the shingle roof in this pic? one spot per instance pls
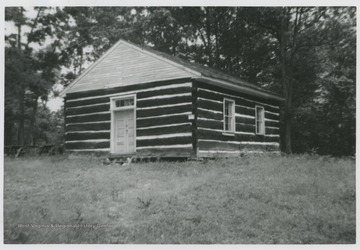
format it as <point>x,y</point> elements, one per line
<point>199,72</point>
<point>206,71</point>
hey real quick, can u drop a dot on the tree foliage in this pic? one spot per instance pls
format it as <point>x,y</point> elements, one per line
<point>30,73</point>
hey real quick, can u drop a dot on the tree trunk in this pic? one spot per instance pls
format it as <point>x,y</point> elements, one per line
<point>20,134</point>
<point>81,61</point>
<point>287,84</point>
<point>287,132</point>
<point>31,134</point>
<point>208,37</point>
<point>8,135</point>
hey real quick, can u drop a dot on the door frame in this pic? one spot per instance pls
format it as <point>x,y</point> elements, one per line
<point>114,109</point>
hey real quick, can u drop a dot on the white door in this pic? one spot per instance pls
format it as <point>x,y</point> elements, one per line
<point>124,132</point>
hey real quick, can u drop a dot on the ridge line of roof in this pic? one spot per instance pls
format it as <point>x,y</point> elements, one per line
<point>193,67</point>
<point>155,53</point>
<point>201,68</point>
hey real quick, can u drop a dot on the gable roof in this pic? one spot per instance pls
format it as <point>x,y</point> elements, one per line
<point>193,70</point>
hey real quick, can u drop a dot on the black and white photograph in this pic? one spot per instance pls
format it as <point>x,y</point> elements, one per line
<point>186,125</point>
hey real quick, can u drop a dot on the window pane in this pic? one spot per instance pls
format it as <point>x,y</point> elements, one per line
<point>260,123</point>
<point>124,102</point>
<point>128,102</point>
<point>228,116</point>
<point>258,113</point>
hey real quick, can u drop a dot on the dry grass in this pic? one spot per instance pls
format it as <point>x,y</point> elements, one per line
<point>255,199</point>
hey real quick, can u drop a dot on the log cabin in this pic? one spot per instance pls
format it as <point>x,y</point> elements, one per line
<point>135,101</point>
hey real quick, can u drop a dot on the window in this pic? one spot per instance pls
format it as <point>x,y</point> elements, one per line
<point>229,115</point>
<point>259,120</point>
<point>124,102</point>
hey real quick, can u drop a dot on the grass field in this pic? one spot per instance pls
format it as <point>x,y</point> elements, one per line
<point>254,199</point>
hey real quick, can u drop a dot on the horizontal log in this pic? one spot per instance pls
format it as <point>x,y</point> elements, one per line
<point>171,91</point>
<point>107,91</point>
<point>89,118</point>
<point>164,130</point>
<point>244,111</point>
<point>219,126</point>
<point>204,145</point>
<point>210,124</point>
<point>209,115</point>
<point>98,100</point>
<point>245,120</point>
<point>212,96</point>
<point>272,124</point>
<point>249,128</point>
<point>165,101</point>
<point>231,92</point>
<point>164,141</point>
<point>88,109</point>
<point>271,131</point>
<point>218,154</point>
<point>257,138</point>
<point>164,111</point>
<point>238,100</point>
<point>201,103</point>
<point>165,152</point>
<point>216,135</point>
<point>86,136</point>
<point>87,145</point>
<point>240,127</point>
<point>139,103</point>
<point>88,127</point>
<point>271,116</point>
<point>161,121</point>
<point>228,154</point>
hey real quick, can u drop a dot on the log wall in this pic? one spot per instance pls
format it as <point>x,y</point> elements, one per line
<point>163,126</point>
<point>162,110</point>
<point>211,138</point>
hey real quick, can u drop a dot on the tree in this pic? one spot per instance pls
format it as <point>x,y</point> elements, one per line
<point>30,73</point>
<point>298,33</point>
<point>327,122</point>
<point>95,30</point>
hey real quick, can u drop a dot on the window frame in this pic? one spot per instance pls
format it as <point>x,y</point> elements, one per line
<point>263,128</point>
<point>232,115</point>
<point>122,97</point>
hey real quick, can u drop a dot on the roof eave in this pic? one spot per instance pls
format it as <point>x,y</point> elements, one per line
<point>240,88</point>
